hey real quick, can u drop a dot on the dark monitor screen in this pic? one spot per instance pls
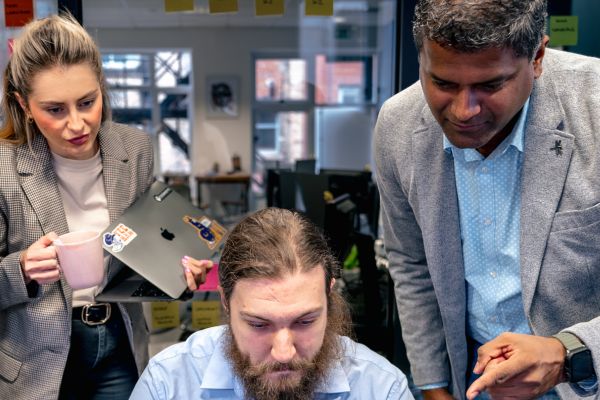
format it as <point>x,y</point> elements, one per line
<point>281,188</point>
<point>287,189</point>
<point>355,183</point>
<point>339,225</point>
<point>305,192</point>
<point>311,196</point>
<point>308,166</point>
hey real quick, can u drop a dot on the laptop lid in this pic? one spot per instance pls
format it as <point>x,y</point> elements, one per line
<point>151,237</point>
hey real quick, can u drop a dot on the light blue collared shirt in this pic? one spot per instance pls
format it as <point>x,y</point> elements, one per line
<point>489,199</point>
<point>198,369</point>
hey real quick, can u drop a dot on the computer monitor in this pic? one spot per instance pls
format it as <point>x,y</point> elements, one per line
<point>310,198</point>
<point>281,188</point>
<point>362,191</point>
<point>307,166</point>
<point>339,225</point>
<point>355,183</point>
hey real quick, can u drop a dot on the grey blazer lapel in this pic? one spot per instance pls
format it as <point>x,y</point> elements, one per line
<point>117,176</point>
<point>438,214</point>
<point>39,183</point>
<point>115,171</point>
<point>438,218</point>
<point>544,173</point>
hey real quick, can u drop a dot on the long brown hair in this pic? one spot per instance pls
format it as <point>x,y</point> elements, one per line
<point>271,243</point>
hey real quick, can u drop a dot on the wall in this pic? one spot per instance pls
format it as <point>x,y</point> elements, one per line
<point>589,29</point>
<point>41,8</point>
<point>215,51</point>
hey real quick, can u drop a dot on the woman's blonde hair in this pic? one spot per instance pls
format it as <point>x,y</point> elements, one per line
<point>44,44</point>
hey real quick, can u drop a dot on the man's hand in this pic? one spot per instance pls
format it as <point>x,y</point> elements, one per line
<point>518,366</point>
<point>437,394</point>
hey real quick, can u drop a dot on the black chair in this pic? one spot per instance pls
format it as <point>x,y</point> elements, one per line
<point>281,188</point>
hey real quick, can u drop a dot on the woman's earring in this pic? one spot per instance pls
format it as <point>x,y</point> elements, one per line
<point>29,120</point>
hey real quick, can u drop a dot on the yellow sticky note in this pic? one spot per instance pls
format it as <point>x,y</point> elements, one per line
<point>318,7</point>
<point>179,5</point>
<point>563,30</point>
<point>221,6</point>
<point>165,314</point>
<point>268,7</point>
<point>206,314</point>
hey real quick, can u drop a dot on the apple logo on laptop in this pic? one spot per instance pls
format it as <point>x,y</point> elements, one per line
<point>166,234</point>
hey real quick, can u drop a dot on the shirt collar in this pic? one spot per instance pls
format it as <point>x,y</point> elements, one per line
<point>219,374</point>
<point>516,138</point>
<point>336,381</point>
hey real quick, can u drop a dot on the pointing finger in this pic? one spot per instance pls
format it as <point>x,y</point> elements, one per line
<point>495,376</point>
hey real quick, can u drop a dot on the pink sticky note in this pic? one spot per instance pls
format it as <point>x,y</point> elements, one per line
<point>212,280</point>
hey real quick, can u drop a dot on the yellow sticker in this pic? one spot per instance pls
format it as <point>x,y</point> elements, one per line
<point>222,6</point>
<point>206,314</point>
<point>318,7</point>
<point>268,7</point>
<point>209,230</point>
<point>165,314</point>
<point>179,5</point>
<point>563,30</point>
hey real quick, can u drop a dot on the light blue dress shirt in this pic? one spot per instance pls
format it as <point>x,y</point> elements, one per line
<point>489,199</point>
<point>199,369</point>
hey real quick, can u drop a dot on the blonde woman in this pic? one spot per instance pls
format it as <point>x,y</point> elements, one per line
<point>64,166</point>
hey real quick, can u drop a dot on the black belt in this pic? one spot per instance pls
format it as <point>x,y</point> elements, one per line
<point>94,314</point>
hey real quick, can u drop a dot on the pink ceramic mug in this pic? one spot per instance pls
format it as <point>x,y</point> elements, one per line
<point>81,258</point>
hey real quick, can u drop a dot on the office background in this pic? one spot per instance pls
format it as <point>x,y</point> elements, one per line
<point>294,87</point>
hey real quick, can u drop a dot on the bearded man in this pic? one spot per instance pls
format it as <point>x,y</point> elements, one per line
<point>286,336</point>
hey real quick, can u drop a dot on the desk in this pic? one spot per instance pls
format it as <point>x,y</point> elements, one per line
<point>176,179</point>
<point>179,183</point>
<point>240,178</point>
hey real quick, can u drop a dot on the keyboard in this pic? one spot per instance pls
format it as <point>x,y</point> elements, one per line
<point>146,289</point>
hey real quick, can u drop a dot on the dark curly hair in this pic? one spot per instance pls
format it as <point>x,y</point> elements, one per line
<point>472,25</point>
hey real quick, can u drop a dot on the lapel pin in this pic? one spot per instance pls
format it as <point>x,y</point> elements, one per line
<point>557,147</point>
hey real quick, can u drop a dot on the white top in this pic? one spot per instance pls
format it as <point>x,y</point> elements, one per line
<point>83,197</point>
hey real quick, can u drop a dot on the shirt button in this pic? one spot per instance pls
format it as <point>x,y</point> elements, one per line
<point>493,318</point>
<point>493,274</point>
<point>487,221</point>
<point>484,170</point>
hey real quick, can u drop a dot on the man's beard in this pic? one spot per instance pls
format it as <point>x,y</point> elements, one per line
<point>311,372</point>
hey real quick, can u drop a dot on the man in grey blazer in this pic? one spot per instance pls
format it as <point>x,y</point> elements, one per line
<point>489,173</point>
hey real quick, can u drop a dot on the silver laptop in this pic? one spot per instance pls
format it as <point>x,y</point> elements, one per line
<point>150,238</point>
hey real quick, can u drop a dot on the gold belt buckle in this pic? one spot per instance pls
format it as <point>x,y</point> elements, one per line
<point>85,314</point>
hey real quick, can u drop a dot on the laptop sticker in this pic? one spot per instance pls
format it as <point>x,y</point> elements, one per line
<point>120,237</point>
<point>208,230</point>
